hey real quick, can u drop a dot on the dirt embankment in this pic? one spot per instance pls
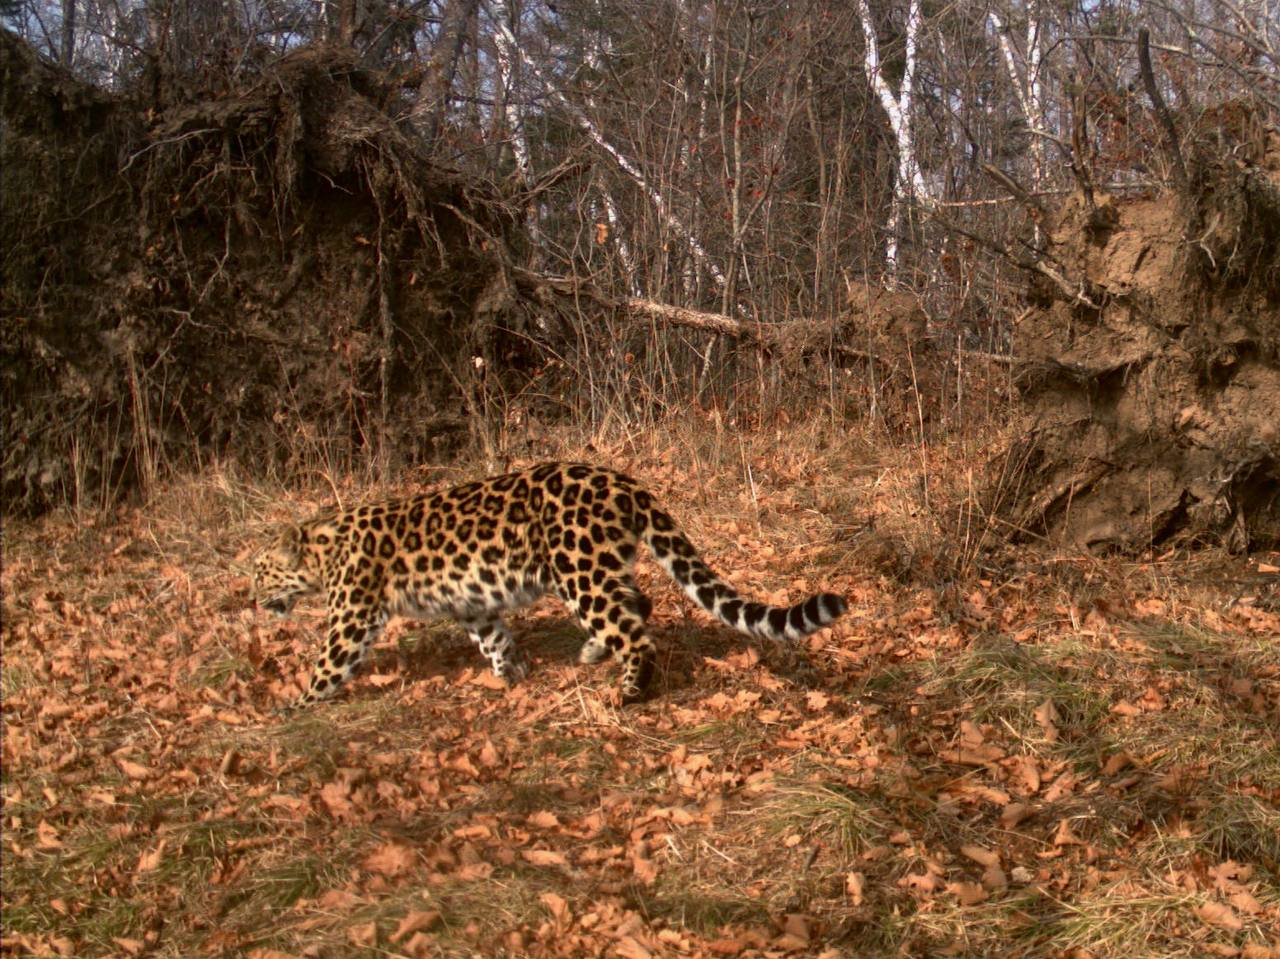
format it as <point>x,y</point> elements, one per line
<point>1155,390</point>
<point>273,272</point>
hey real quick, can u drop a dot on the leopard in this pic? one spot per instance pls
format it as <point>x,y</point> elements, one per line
<point>481,549</point>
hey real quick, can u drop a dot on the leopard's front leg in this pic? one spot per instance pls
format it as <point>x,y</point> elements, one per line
<point>353,629</point>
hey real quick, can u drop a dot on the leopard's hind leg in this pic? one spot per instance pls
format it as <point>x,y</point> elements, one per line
<point>613,612</point>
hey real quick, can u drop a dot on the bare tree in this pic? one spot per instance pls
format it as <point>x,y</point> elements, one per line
<point>750,156</point>
<point>909,184</point>
<point>1025,76</point>
<point>436,89</point>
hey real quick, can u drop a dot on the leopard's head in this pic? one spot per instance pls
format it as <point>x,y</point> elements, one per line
<point>280,575</point>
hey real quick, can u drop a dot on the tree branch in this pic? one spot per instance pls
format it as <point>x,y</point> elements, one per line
<point>1161,111</point>
<point>1075,294</point>
<point>595,136</point>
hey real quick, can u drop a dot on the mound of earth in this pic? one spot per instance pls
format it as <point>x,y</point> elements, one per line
<point>1154,390</point>
<point>276,272</point>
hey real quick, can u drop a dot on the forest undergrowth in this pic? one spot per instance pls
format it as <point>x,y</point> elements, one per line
<point>1000,751</point>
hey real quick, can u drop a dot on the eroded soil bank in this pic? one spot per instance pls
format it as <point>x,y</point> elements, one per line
<point>1154,390</point>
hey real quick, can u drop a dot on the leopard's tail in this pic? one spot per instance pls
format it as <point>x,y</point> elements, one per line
<point>676,555</point>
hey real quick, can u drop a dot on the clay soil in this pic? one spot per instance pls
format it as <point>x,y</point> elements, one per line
<point>1154,394</point>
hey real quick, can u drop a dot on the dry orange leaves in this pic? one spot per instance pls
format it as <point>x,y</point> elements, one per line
<point>767,803</point>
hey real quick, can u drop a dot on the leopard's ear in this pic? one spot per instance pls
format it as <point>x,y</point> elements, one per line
<point>289,541</point>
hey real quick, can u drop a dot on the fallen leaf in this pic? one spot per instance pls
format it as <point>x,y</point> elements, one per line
<point>1064,785</point>
<point>1115,763</point>
<point>1152,701</point>
<point>335,796</point>
<point>628,947</point>
<point>543,820</point>
<point>365,934</point>
<point>919,882</point>
<point>488,680</point>
<point>474,871</point>
<point>415,921</point>
<point>390,860</point>
<point>646,870</point>
<point>855,884</point>
<point>134,771</point>
<point>420,946</point>
<point>47,836</point>
<point>971,733</point>
<point>1229,872</point>
<point>1013,814</point>
<point>1064,836</point>
<point>727,947</point>
<point>989,793</point>
<point>969,893</point>
<point>557,906</point>
<point>1246,903</point>
<point>1028,772</point>
<point>797,924</point>
<point>718,702</point>
<point>544,857</point>
<point>150,859</point>
<point>972,755</point>
<point>980,855</point>
<point>1221,915</point>
<point>1047,716</point>
<point>994,879</point>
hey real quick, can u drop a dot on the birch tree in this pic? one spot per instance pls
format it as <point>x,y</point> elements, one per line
<point>696,87</point>
<point>1025,76</point>
<point>509,59</point>
<point>909,185</point>
<point>597,47</point>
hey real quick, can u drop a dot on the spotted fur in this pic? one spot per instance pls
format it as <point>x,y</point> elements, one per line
<point>479,549</point>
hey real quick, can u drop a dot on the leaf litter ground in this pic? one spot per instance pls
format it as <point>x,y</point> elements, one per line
<point>1062,756</point>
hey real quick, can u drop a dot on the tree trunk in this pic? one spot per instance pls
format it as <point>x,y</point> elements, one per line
<point>908,182</point>
<point>437,86</point>
<point>68,32</point>
<point>509,58</point>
